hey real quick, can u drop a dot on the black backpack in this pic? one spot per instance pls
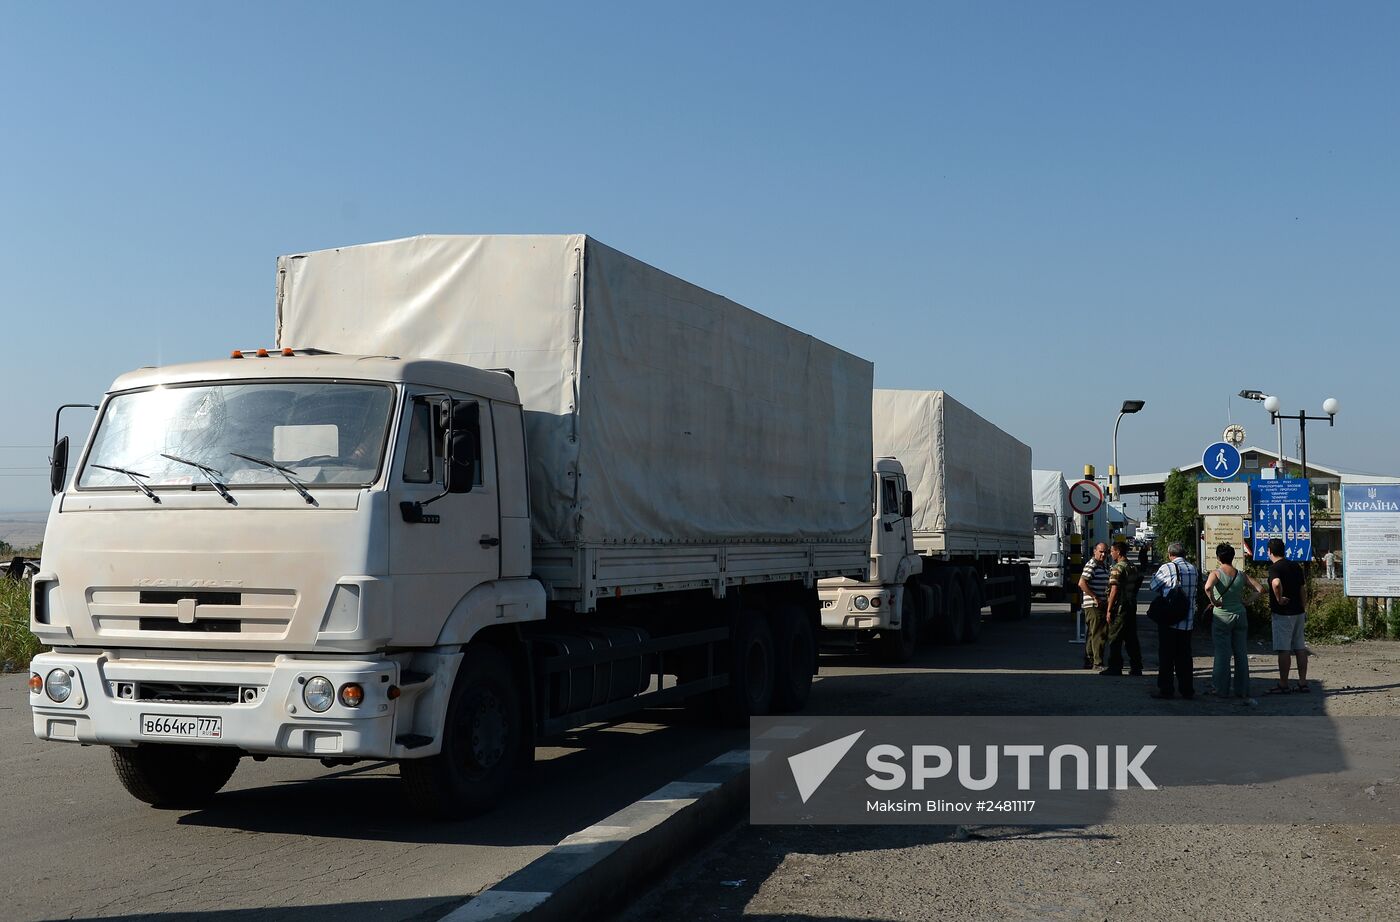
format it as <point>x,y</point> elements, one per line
<point>1173,606</point>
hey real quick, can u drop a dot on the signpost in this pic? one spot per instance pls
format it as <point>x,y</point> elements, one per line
<point>1371,540</point>
<point>1221,460</point>
<point>1282,509</point>
<point>1222,499</point>
<point>1222,529</point>
<point>1085,497</point>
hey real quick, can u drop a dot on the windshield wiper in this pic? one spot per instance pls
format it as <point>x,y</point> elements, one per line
<point>133,475</point>
<point>287,473</point>
<point>208,473</point>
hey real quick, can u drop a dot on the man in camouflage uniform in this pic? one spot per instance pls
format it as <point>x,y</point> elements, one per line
<point>1123,582</point>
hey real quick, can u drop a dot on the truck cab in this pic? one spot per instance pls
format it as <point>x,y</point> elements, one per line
<point>250,556</point>
<point>878,607</point>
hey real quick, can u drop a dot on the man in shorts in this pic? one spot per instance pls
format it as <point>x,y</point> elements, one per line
<point>1286,605</point>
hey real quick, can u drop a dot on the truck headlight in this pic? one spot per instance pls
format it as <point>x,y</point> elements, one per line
<point>58,685</point>
<point>319,694</point>
<point>861,603</point>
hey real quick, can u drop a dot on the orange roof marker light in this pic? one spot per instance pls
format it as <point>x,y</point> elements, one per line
<point>288,352</point>
<point>262,353</point>
<point>236,354</point>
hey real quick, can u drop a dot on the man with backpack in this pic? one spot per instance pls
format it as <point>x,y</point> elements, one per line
<point>1123,582</point>
<point>1176,582</point>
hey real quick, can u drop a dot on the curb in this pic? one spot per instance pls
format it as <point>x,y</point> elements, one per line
<point>595,870</point>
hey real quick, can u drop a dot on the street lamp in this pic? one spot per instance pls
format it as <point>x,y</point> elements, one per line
<point>1129,406</point>
<point>1271,404</point>
<point>1330,406</point>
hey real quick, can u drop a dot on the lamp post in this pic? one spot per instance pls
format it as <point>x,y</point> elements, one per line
<point>1129,406</point>
<point>1330,406</point>
<point>1271,404</point>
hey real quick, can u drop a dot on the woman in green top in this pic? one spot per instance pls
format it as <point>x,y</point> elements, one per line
<point>1229,591</point>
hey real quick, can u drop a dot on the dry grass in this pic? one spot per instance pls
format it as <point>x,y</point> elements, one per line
<point>17,645</point>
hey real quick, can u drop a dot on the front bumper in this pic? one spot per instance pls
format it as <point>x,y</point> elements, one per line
<point>269,718</point>
<point>1047,578</point>
<point>839,611</point>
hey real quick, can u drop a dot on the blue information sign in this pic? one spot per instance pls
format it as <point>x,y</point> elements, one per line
<point>1282,509</point>
<point>1221,460</point>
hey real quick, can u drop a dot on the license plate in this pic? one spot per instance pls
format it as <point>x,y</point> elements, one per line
<point>182,728</point>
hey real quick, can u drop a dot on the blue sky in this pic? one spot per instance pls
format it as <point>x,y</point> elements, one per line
<point>1042,208</point>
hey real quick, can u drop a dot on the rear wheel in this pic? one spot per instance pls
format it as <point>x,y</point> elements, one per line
<point>972,621</point>
<point>794,658</point>
<point>951,619</point>
<point>173,776</point>
<point>483,743</point>
<point>751,673</point>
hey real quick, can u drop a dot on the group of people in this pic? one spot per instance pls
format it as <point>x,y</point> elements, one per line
<point>1110,616</point>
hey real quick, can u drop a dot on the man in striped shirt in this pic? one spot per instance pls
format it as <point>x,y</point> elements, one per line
<point>1093,582</point>
<point>1174,641</point>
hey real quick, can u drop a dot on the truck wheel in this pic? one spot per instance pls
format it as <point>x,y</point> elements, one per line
<point>173,776</point>
<point>750,689</point>
<point>483,741</point>
<point>900,646</point>
<point>1025,596</point>
<point>949,622</point>
<point>794,658</point>
<point>972,625</point>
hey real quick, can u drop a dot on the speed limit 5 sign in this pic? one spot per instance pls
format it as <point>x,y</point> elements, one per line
<point>1085,497</point>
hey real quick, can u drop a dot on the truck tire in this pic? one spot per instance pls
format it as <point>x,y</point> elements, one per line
<point>794,658</point>
<point>484,740</point>
<point>949,621</point>
<point>972,625</point>
<point>900,646</point>
<point>173,777</point>
<point>751,672</point>
<point>1026,596</point>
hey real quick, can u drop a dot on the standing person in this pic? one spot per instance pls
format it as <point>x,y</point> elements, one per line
<point>1093,582</point>
<point>1174,640</point>
<point>1229,591</point>
<point>1123,582</point>
<point>1286,604</point>
<point>1331,560</point>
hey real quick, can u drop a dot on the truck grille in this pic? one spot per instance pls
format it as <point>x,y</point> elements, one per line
<point>189,693</point>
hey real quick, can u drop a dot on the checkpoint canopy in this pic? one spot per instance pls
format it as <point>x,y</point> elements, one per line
<point>1282,510</point>
<point>1371,539</point>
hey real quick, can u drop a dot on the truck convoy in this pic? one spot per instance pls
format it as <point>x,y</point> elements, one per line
<point>949,529</point>
<point>485,489</point>
<point>1053,527</point>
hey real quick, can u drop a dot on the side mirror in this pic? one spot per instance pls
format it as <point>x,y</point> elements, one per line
<point>58,466</point>
<point>907,509</point>
<point>463,436</point>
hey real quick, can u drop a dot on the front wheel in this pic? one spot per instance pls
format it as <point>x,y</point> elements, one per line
<point>174,777</point>
<point>483,743</point>
<point>899,646</point>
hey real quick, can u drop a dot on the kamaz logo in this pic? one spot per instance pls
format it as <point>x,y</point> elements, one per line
<point>159,583</point>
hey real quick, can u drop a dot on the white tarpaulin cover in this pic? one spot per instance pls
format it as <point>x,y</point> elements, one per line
<point>656,411</point>
<point>1051,493</point>
<point>970,480</point>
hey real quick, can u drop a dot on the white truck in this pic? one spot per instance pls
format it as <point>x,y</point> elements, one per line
<point>486,489</point>
<point>949,529</point>
<point>1054,526</point>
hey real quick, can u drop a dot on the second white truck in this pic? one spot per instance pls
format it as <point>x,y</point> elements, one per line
<point>950,529</point>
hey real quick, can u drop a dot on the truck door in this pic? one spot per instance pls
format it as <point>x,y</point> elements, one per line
<point>893,534</point>
<point>434,562</point>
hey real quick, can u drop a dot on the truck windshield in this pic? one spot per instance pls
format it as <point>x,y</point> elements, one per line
<point>327,433</point>
<point>1044,524</point>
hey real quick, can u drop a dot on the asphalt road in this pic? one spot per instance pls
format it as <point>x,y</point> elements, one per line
<point>291,839</point>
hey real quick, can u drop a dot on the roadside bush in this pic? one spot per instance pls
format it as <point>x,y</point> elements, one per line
<point>17,645</point>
